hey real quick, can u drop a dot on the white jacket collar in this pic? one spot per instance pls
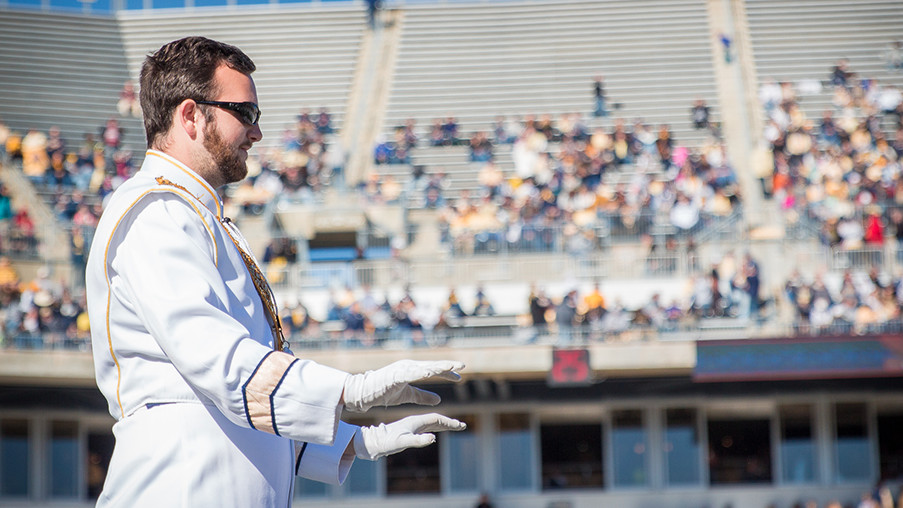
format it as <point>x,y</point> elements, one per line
<point>159,164</point>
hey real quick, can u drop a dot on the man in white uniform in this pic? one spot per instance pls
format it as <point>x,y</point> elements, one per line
<point>211,409</point>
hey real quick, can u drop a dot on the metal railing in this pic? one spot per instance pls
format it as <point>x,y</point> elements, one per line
<point>509,331</point>
<point>46,341</point>
<point>517,335</point>
<point>609,228</point>
<point>677,262</point>
<point>863,258</point>
<point>18,244</point>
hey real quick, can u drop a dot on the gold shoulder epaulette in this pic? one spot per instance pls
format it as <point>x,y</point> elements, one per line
<point>163,181</point>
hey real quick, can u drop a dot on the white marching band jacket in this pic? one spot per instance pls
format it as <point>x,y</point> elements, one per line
<point>187,356</point>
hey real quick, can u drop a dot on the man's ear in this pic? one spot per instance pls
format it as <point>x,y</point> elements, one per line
<point>188,118</point>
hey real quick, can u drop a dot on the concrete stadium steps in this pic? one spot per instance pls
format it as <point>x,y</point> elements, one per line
<point>477,61</point>
<point>305,56</point>
<point>64,70</point>
<point>794,41</point>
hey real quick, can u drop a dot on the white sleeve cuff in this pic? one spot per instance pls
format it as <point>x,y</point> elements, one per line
<point>306,404</point>
<point>327,463</point>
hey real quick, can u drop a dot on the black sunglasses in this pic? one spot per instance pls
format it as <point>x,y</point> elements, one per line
<point>248,112</point>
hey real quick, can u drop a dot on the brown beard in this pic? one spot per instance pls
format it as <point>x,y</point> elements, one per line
<point>227,159</point>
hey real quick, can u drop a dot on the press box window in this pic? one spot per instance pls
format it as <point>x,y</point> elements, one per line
<point>797,445</point>
<point>63,460</point>
<point>515,452</point>
<point>363,478</point>
<point>413,471</point>
<point>853,458</point>
<point>463,456</point>
<point>890,442</point>
<point>15,459</point>
<point>629,448</point>
<point>571,456</point>
<point>682,447</point>
<point>740,452</point>
<point>100,451</point>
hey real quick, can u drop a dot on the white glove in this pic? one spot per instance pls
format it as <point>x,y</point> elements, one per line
<point>371,443</point>
<point>389,386</point>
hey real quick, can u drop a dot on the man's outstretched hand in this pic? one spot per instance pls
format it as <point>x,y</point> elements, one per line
<point>371,443</point>
<point>390,385</point>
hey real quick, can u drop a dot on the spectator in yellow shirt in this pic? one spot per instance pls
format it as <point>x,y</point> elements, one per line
<point>594,303</point>
<point>9,279</point>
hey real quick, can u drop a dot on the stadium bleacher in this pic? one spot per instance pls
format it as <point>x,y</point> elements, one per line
<point>645,81</point>
<point>305,57</point>
<point>543,59</point>
<point>389,291</point>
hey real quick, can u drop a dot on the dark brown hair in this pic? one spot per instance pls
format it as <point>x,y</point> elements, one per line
<point>180,70</point>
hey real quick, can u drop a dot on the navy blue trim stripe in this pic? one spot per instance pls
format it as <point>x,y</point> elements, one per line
<point>273,394</point>
<point>300,454</point>
<point>244,389</point>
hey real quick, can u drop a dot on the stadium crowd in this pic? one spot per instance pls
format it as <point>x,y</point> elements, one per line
<point>306,160</point>
<point>41,312</point>
<point>74,181</point>
<point>840,173</point>
<point>46,313</point>
<point>729,292</point>
<point>559,193</point>
<point>569,184</point>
